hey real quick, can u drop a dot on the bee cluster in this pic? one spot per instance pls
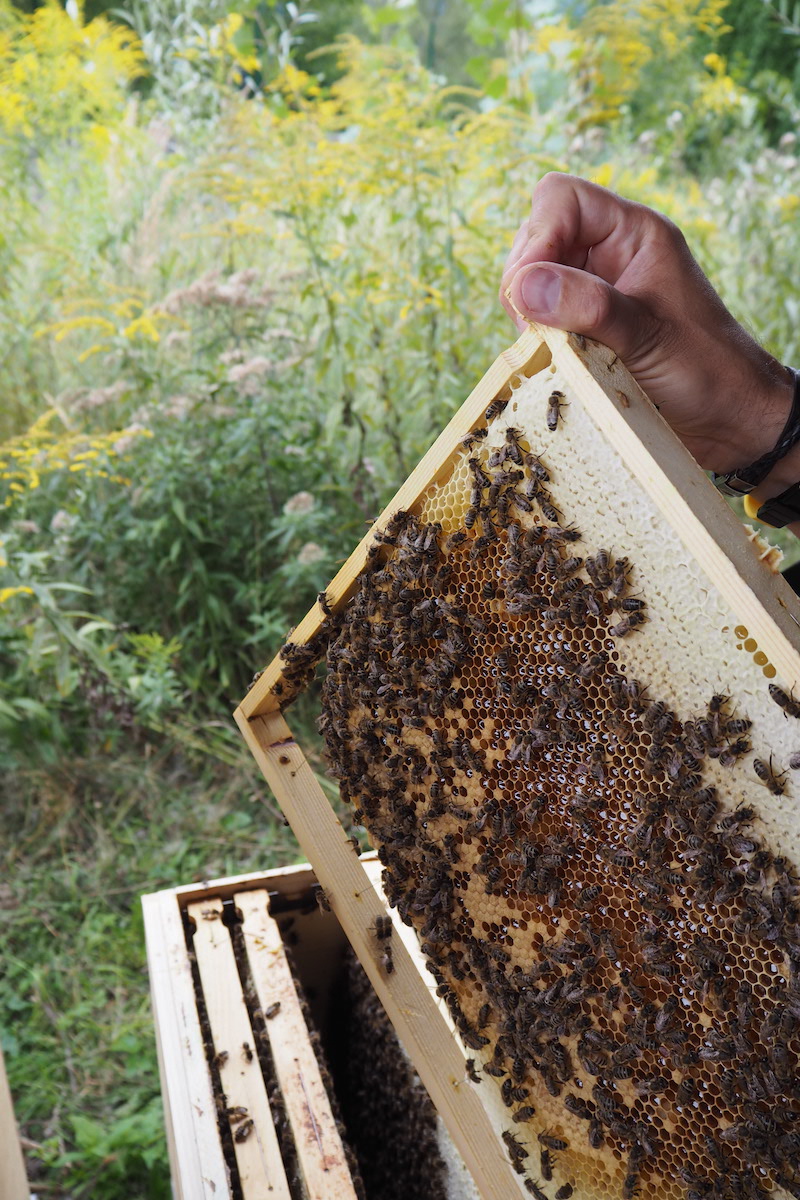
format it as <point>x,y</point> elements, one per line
<point>618,949</point>
<point>390,1120</point>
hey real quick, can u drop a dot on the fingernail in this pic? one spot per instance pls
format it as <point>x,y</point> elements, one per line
<point>540,290</point>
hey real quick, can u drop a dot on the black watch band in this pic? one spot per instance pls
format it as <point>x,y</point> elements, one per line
<point>744,479</point>
<point>783,509</point>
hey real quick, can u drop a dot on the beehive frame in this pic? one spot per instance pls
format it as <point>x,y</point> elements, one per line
<point>757,633</point>
<point>197,1159</point>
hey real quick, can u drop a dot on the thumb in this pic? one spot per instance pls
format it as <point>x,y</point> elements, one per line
<point>583,303</point>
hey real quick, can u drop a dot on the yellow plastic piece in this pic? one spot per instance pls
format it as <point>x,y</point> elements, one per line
<point>751,507</point>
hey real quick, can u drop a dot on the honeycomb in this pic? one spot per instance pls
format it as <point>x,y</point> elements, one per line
<point>572,759</point>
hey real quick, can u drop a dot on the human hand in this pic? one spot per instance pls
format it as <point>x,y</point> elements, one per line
<point>592,262</point>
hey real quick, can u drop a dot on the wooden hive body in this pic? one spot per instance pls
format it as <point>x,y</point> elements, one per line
<point>253,984</point>
<point>533,765</point>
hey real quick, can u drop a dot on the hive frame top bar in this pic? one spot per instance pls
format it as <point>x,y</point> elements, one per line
<point>711,532</point>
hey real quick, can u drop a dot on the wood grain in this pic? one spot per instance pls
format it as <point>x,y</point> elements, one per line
<point>258,1156</point>
<point>320,1154</point>
<point>197,1164</point>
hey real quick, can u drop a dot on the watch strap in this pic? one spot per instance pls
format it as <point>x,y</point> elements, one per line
<point>783,509</point>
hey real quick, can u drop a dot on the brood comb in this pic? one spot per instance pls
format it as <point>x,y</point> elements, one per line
<point>559,697</point>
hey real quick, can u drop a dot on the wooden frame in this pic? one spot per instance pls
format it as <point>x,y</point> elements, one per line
<point>713,538</point>
<point>13,1180</point>
<point>197,1160</point>
<point>709,529</point>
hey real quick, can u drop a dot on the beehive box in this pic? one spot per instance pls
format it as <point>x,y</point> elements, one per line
<point>559,697</point>
<point>13,1183</point>
<point>280,1074</point>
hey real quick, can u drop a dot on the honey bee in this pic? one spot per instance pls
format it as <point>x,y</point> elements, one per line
<point>598,569</point>
<point>595,764</point>
<point>549,509</point>
<point>631,604</point>
<point>790,706</point>
<point>565,1191</point>
<point>382,927</point>
<point>627,625</point>
<point>553,1143</point>
<point>525,1113</point>
<point>472,1073</point>
<point>568,567</point>
<point>630,1186</point>
<point>243,1131</point>
<point>473,1040</point>
<point>578,1106</point>
<point>593,664</point>
<point>494,409</point>
<point>546,1164</point>
<point>537,468</point>
<point>512,445</point>
<point>587,896</point>
<point>736,727</point>
<point>534,1189</point>
<point>323,903</point>
<point>596,1134</point>
<point>768,777</point>
<point>454,540</point>
<point>512,1093</point>
<point>475,435</point>
<point>515,1148</point>
<point>555,403</point>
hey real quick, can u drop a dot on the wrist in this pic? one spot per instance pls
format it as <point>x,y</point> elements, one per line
<point>763,420</point>
<point>783,477</point>
<point>753,431</point>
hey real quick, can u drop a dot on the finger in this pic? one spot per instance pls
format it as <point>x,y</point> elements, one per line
<point>517,246</point>
<point>572,219</point>
<point>576,300</point>
<point>519,241</point>
<point>520,321</point>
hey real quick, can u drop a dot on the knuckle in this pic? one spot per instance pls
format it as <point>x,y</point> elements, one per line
<point>550,184</point>
<point>599,309</point>
<point>549,180</point>
<point>666,233</point>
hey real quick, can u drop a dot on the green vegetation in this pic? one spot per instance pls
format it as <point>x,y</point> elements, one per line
<point>249,261</point>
